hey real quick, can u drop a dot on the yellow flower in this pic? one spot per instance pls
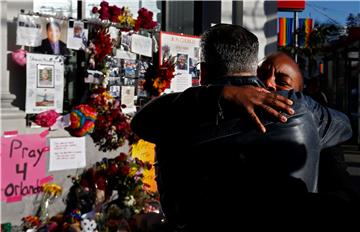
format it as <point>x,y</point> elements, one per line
<point>52,189</point>
<point>133,170</point>
<point>126,18</point>
<point>158,84</point>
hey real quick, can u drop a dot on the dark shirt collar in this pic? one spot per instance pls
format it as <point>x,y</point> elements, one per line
<point>239,80</point>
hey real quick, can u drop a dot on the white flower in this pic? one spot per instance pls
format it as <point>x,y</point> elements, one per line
<point>129,200</point>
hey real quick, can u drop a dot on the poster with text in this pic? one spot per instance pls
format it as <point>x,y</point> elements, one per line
<point>186,49</point>
<point>28,30</point>
<point>44,83</point>
<point>141,45</point>
<point>67,153</point>
<point>23,165</point>
<point>47,34</point>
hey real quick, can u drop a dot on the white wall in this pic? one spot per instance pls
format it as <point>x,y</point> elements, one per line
<point>260,17</point>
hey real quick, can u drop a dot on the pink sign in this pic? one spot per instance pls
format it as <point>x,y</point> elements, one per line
<point>23,165</point>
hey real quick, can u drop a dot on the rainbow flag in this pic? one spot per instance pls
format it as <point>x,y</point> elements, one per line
<point>285,31</point>
<point>321,68</point>
<point>306,27</point>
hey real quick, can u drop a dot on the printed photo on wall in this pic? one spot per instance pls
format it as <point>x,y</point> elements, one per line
<point>182,61</point>
<point>54,32</point>
<point>44,98</point>
<point>45,76</point>
<point>28,31</point>
<point>93,77</point>
<point>129,81</point>
<point>77,35</point>
<point>126,40</point>
<point>143,66</point>
<point>115,91</point>
<point>130,68</point>
<point>186,49</point>
<point>44,83</point>
<point>114,80</point>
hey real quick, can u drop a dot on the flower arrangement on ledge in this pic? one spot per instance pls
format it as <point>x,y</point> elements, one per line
<point>124,18</point>
<point>112,126</point>
<point>105,197</point>
<point>158,79</point>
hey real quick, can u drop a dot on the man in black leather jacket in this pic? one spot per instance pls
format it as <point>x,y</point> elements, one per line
<point>210,155</point>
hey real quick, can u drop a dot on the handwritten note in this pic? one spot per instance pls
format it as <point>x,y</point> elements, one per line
<point>141,45</point>
<point>23,165</point>
<point>127,98</point>
<point>67,153</point>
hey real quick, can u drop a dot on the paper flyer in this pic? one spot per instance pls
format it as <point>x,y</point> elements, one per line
<point>44,83</point>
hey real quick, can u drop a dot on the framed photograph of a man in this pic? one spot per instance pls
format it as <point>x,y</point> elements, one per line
<point>45,76</point>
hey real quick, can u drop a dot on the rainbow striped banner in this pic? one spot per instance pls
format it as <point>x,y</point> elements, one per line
<point>321,68</point>
<point>285,31</point>
<point>306,27</point>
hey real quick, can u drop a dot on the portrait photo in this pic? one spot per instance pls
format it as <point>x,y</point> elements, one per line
<point>45,76</point>
<point>115,91</point>
<point>182,61</point>
<point>52,44</point>
<point>130,68</point>
<point>78,30</point>
<point>165,51</point>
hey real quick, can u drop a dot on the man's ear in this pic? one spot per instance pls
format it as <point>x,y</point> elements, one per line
<point>203,73</point>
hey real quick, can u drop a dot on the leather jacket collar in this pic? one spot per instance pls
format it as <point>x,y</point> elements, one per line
<point>239,80</point>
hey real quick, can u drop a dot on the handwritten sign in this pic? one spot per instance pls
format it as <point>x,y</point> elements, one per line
<point>23,165</point>
<point>141,45</point>
<point>67,153</point>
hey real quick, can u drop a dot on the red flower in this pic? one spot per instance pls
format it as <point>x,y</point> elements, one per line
<point>103,46</point>
<point>113,169</point>
<point>47,118</point>
<point>95,10</point>
<point>104,4</point>
<point>114,19</point>
<point>122,126</point>
<point>104,13</point>
<point>125,170</point>
<point>115,11</point>
<point>100,182</point>
<point>145,20</point>
<point>121,157</point>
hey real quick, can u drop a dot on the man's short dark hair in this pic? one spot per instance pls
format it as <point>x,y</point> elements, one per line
<point>229,49</point>
<point>53,24</point>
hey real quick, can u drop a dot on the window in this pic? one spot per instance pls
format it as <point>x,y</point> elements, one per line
<point>133,5</point>
<point>67,8</point>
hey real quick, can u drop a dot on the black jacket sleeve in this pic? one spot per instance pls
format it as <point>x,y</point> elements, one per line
<point>333,126</point>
